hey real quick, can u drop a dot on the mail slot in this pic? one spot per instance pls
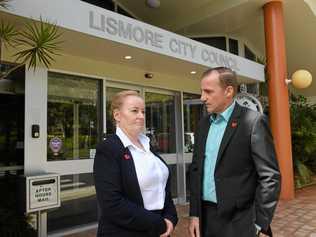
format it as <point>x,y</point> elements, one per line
<point>43,182</point>
<point>41,192</point>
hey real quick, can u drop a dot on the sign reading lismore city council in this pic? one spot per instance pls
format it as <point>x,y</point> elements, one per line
<point>147,37</point>
<point>89,19</point>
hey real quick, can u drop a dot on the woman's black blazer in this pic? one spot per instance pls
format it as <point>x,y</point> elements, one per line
<point>120,202</point>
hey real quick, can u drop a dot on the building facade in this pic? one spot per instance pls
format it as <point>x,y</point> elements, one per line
<point>104,52</point>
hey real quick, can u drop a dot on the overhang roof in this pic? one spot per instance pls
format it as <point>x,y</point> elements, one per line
<point>242,19</point>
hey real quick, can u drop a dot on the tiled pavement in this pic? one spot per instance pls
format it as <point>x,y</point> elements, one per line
<point>295,218</point>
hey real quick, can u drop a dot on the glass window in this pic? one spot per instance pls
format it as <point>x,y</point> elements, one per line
<point>12,119</point>
<point>106,4</point>
<point>233,46</point>
<point>217,42</point>
<point>160,121</point>
<point>193,111</point>
<point>73,117</point>
<point>160,128</point>
<point>249,54</point>
<point>110,92</point>
<point>253,88</point>
<point>123,12</point>
<point>78,203</point>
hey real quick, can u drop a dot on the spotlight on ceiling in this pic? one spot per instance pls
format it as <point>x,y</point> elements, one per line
<point>153,3</point>
<point>128,57</point>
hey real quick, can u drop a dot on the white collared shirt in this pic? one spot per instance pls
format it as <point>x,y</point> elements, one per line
<point>152,173</point>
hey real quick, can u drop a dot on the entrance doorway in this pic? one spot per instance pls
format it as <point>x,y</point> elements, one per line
<point>12,222</point>
<point>11,132</point>
<point>12,122</point>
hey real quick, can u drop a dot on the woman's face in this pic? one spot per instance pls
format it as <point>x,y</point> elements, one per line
<point>130,117</point>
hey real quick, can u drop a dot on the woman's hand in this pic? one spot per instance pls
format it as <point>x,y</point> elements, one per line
<point>169,228</point>
<point>194,227</point>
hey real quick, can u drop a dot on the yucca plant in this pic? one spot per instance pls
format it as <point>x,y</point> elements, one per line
<point>40,42</point>
<point>4,4</point>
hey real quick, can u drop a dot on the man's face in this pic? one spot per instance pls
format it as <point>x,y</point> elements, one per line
<point>213,95</point>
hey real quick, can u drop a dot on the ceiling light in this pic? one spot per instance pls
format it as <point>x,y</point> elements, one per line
<point>128,57</point>
<point>153,3</point>
<point>193,72</point>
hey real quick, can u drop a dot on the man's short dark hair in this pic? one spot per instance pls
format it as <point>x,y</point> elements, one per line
<point>227,77</point>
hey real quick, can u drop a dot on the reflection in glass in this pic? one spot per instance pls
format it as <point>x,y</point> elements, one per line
<point>193,111</point>
<point>12,119</point>
<point>160,121</point>
<point>78,203</point>
<point>73,117</point>
<point>110,92</point>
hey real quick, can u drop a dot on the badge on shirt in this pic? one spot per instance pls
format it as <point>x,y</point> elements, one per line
<point>126,157</point>
<point>234,124</point>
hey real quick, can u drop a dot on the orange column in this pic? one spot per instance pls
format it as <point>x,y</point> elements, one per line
<point>278,93</point>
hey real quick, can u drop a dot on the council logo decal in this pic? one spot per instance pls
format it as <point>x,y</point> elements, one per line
<point>249,101</point>
<point>55,144</point>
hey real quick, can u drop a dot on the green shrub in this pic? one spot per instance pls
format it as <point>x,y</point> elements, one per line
<point>303,129</point>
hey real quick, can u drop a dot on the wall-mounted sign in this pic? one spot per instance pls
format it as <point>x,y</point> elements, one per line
<point>55,144</point>
<point>98,22</point>
<point>42,192</point>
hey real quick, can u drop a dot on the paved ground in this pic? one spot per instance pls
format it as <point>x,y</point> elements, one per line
<point>295,218</point>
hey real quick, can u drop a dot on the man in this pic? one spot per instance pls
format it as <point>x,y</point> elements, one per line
<point>235,178</point>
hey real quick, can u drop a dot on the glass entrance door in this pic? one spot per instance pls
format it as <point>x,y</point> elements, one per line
<point>161,128</point>
<point>74,127</point>
<point>193,110</point>
<point>160,122</point>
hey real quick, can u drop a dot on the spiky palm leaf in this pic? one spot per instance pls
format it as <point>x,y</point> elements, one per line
<point>7,33</point>
<point>42,42</point>
<point>4,4</point>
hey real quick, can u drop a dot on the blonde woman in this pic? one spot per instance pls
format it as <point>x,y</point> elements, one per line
<point>132,182</point>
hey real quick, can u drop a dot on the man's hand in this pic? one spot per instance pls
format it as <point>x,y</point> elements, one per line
<point>169,228</point>
<point>262,235</point>
<point>194,227</point>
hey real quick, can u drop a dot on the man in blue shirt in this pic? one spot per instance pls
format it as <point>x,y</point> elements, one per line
<point>235,178</point>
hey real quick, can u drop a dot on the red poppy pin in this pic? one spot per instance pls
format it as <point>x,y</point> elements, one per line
<point>126,157</point>
<point>234,124</point>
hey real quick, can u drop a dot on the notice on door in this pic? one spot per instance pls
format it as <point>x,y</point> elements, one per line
<point>43,192</point>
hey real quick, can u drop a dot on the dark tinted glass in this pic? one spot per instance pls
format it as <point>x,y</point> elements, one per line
<point>233,46</point>
<point>73,117</point>
<point>12,118</point>
<point>106,4</point>
<point>249,54</point>
<point>78,203</point>
<point>123,12</point>
<point>217,42</point>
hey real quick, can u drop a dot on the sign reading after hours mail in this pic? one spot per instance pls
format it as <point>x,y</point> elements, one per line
<point>43,192</point>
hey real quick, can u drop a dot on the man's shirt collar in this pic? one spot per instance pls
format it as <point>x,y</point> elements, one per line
<point>225,114</point>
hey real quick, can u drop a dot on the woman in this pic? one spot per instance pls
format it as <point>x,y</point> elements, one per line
<point>132,183</point>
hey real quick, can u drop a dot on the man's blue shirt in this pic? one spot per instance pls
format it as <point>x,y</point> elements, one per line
<point>213,142</point>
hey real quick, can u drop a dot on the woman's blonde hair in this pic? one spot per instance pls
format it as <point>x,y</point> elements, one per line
<point>119,98</point>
